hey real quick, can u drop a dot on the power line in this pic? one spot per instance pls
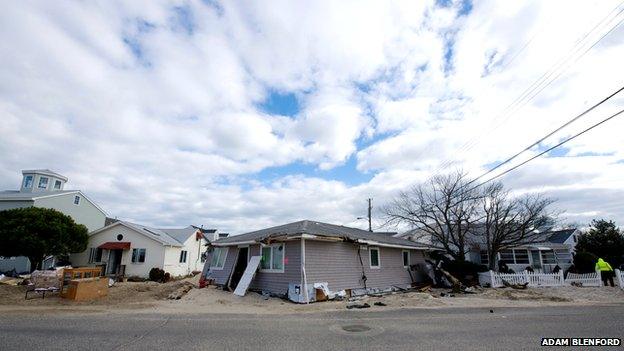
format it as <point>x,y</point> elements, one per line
<point>550,149</point>
<point>549,134</point>
<point>544,81</point>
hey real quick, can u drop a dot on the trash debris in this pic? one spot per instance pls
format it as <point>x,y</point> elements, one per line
<point>379,303</point>
<point>183,290</point>
<point>265,295</point>
<point>358,305</point>
<point>515,286</point>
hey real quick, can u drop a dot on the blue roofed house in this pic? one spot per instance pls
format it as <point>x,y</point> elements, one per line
<point>556,248</point>
<point>129,249</point>
<point>45,188</point>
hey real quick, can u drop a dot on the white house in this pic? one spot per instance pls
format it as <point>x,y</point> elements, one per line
<point>45,188</point>
<point>130,249</point>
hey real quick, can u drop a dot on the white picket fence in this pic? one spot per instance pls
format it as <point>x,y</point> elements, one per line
<point>495,279</point>
<point>619,276</point>
<point>534,279</point>
<point>587,279</point>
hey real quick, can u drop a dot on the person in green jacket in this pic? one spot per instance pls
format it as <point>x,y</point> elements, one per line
<point>606,272</point>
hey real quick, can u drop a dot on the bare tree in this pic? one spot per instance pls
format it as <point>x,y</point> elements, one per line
<point>443,211</point>
<point>511,221</point>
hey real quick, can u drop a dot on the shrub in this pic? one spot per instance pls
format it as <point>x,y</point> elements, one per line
<point>585,262</point>
<point>156,275</point>
<point>166,277</point>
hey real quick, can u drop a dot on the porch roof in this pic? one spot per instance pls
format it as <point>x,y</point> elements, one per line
<point>112,245</point>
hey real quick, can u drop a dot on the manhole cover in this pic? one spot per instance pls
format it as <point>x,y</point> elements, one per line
<point>356,328</point>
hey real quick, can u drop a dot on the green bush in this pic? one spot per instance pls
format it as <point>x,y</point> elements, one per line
<point>585,262</point>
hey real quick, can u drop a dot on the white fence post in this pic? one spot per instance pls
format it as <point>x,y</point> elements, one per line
<point>561,280</point>
<point>492,278</point>
<point>620,278</point>
<point>526,276</point>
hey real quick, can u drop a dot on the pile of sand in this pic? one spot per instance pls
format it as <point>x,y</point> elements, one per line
<point>151,297</point>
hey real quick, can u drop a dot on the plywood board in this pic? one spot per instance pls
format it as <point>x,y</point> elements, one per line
<point>250,272</point>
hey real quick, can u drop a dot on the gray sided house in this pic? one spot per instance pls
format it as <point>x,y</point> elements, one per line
<point>308,252</point>
<point>44,188</point>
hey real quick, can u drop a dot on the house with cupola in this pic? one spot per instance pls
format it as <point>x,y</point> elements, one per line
<point>45,188</point>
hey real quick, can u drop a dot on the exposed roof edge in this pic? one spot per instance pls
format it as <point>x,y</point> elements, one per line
<point>134,230</point>
<point>324,238</point>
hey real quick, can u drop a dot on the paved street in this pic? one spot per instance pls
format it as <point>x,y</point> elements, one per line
<point>441,329</point>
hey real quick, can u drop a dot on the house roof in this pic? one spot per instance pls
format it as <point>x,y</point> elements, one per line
<point>169,236</point>
<point>560,236</point>
<point>318,229</point>
<point>16,195</point>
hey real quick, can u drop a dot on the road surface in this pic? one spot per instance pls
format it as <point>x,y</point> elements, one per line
<point>439,329</point>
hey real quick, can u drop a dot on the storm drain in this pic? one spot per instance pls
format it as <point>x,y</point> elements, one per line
<point>357,328</point>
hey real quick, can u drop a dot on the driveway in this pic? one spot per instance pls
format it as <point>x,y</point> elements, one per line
<point>440,329</point>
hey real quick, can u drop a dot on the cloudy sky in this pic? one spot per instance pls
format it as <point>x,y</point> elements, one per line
<point>241,115</point>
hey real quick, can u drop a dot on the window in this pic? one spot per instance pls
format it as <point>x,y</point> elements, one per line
<point>183,256</point>
<point>203,257</point>
<point>373,254</point>
<point>406,258</point>
<point>57,185</point>
<point>563,256</point>
<point>95,255</point>
<point>119,237</point>
<point>548,257</point>
<point>28,181</point>
<point>522,256</point>
<point>138,255</point>
<point>76,200</point>
<point>484,257</point>
<point>272,258</point>
<point>218,257</point>
<point>506,256</point>
<point>43,183</point>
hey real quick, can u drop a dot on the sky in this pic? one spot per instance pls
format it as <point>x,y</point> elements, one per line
<point>242,115</point>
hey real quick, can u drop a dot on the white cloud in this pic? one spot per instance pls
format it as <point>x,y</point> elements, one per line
<point>157,118</point>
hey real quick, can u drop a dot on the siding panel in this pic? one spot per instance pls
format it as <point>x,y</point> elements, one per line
<point>337,263</point>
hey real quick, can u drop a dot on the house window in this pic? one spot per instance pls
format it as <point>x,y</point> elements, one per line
<point>57,185</point>
<point>218,258</point>
<point>522,256</point>
<point>406,258</point>
<point>506,256</point>
<point>183,256</point>
<point>484,257</point>
<point>373,254</point>
<point>76,200</point>
<point>548,257</point>
<point>272,258</point>
<point>563,256</point>
<point>138,255</point>
<point>203,257</point>
<point>28,181</point>
<point>95,255</point>
<point>43,183</point>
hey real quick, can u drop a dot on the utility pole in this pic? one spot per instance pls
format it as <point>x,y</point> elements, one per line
<point>370,209</point>
<point>370,215</point>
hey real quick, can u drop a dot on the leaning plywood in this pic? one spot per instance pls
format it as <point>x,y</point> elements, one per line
<point>249,274</point>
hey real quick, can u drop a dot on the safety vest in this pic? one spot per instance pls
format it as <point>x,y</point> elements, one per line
<point>603,266</point>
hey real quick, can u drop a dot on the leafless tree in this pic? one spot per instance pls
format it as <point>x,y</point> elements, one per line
<point>442,210</point>
<point>511,221</point>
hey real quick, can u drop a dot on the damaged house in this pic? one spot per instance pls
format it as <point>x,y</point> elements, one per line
<point>304,253</point>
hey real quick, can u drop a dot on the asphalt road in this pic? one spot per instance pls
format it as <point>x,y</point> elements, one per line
<point>439,329</point>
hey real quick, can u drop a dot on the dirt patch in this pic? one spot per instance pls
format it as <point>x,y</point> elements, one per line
<point>150,297</point>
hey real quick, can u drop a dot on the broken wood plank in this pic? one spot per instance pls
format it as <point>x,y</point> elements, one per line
<point>250,272</point>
